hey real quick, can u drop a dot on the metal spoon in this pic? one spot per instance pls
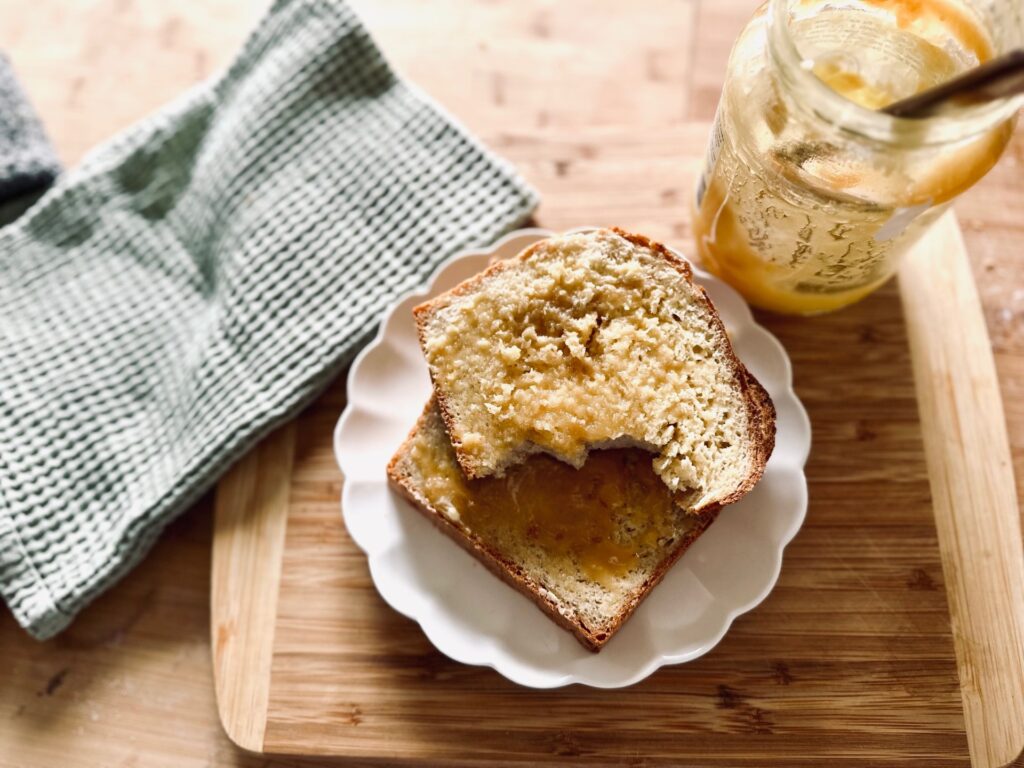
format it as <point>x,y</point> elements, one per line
<point>996,79</point>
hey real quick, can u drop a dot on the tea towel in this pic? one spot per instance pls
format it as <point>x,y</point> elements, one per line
<point>200,277</point>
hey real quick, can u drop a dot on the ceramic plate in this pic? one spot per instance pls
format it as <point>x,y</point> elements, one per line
<point>474,618</point>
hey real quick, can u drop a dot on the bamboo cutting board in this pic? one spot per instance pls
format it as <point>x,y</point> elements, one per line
<point>852,660</point>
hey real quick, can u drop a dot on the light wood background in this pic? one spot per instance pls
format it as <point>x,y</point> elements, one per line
<point>570,91</point>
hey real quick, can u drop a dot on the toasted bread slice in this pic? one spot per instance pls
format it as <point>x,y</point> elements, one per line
<point>596,340</point>
<point>586,545</point>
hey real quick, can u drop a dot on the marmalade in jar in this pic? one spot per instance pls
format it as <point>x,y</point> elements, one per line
<point>809,195</point>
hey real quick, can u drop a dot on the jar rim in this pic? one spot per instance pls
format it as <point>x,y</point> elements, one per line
<point>825,104</point>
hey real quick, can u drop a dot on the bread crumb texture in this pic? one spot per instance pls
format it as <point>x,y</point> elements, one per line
<point>586,540</point>
<point>584,341</point>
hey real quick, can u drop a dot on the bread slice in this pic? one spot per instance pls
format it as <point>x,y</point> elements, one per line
<point>596,340</point>
<point>586,545</point>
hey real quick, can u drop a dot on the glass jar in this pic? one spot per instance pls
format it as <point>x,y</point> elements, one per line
<point>809,195</point>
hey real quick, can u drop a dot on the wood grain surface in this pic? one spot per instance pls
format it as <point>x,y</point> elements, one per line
<point>850,659</point>
<point>974,499</point>
<point>251,516</point>
<point>131,682</point>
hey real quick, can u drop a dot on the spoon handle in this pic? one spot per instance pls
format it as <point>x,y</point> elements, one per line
<point>1001,77</point>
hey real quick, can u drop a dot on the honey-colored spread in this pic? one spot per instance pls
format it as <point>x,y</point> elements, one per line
<point>951,173</point>
<point>827,241</point>
<point>924,16</point>
<point>853,86</point>
<point>600,518</point>
<point>722,244</point>
<point>588,339</point>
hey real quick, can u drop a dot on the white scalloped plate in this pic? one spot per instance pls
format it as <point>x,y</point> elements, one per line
<point>474,618</point>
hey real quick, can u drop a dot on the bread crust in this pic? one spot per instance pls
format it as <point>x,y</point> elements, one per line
<point>760,409</point>
<point>513,575</point>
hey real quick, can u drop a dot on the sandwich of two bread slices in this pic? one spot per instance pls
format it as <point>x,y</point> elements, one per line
<point>589,420</point>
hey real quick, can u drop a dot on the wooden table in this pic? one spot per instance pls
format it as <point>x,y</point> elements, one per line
<point>130,682</point>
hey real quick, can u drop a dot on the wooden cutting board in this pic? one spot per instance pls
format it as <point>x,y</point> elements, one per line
<point>852,660</point>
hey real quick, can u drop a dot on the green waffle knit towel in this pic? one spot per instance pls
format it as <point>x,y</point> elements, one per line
<point>203,275</point>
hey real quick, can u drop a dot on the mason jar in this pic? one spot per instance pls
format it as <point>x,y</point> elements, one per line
<point>809,195</point>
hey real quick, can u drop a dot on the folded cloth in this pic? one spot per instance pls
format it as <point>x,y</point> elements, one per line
<point>202,276</point>
<point>28,164</point>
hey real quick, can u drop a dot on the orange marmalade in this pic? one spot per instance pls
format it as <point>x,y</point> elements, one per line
<point>599,520</point>
<point>809,195</point>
